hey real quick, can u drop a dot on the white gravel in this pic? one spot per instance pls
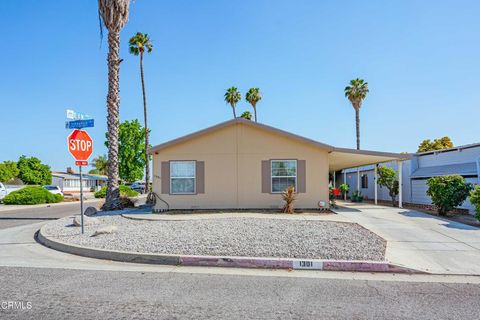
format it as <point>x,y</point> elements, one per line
<point>254,237</point>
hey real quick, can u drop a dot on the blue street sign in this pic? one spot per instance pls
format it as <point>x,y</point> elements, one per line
<point>79,124</point>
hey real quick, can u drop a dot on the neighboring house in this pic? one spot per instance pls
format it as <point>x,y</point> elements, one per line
<point>70,182</point>
<point>243,164</point>
<point>462,160</point>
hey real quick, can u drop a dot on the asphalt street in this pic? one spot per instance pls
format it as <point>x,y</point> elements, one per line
<point>77,294</point>
<point>18,217</point>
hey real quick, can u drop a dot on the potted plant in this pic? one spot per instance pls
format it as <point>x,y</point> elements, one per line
<point>356,196</point>
<point>333,200</point>
<point>344,189</point>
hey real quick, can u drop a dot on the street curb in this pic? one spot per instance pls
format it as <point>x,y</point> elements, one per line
<point>214,261</point>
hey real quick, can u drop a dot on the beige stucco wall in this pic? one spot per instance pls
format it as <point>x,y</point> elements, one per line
<point>233,157</point>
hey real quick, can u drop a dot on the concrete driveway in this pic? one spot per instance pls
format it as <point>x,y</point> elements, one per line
<point>418,240</point>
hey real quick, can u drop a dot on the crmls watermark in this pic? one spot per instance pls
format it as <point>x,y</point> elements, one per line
<point>15,305</point>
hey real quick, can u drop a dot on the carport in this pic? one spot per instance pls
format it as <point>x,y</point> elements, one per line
<point>343,158</point>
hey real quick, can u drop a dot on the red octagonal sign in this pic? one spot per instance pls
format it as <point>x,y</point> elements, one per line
<point>80,145</point>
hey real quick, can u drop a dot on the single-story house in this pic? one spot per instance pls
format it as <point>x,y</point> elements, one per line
<point>462,160</point>
<point>241,164</point>
<point>70,182</point>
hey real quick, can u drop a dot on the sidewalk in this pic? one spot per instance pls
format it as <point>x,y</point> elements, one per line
<point>418,240</point>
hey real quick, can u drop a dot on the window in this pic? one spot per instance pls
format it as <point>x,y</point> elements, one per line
<point>364,181</point>
<point>284,175</point>
<point>182,177</point>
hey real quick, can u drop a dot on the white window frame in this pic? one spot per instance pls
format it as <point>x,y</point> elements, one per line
<point>194,176</point>
<point>271,174</point>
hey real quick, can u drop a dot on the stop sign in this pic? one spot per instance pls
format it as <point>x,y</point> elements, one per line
<point>80,145</point>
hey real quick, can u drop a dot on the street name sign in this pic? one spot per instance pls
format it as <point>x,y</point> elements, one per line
<point>74,115</point>
<point>80,145</point>
<point>79,124</point>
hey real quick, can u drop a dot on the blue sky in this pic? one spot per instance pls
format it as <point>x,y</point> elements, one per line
<point>420,58</point>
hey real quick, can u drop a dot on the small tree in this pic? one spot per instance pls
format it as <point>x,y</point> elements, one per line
<point>8,171</point>
<point>131,150</point>
<point>387,177</point>
<point>436,144</point>
<point>33,171</point>
<point>475,200</point>
<point>448,192</point>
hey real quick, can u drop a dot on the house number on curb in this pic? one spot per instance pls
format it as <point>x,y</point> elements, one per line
<point>307,264</point>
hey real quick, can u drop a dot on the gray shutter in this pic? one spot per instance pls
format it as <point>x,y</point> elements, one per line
<point>266,176</point>
<point>165,177</point>
<point>301,176</point>
<point>200,176</point>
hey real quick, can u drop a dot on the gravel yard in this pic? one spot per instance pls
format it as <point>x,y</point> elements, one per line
<point>258,237</point>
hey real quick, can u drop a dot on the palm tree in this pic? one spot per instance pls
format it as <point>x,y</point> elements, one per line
<point>100,165</point>
<point>253,96</point>
<point>114,14</point>
<point>140,43</point>
<point>232,97</point>
<point>356,92</point>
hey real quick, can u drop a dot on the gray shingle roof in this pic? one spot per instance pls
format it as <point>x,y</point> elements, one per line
<point>76,176</point>
<point>464,169</point>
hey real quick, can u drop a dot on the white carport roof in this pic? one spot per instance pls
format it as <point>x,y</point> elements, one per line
<point>342,158</point>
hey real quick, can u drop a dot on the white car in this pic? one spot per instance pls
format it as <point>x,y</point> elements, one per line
<point>54,189</point>
<point>3,191</point>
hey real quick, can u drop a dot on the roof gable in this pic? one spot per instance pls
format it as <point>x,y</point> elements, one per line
<point>236,121</point>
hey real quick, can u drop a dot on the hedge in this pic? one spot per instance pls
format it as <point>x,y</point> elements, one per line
<point>32,195</point>
<point>124,192</point>
<point>475,200</point>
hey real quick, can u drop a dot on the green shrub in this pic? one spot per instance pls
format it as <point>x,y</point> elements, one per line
<point>32,195</point>
<point>448,192</point>
<point>356,196</point>
<point>475,200</point>
<point>124,192</point>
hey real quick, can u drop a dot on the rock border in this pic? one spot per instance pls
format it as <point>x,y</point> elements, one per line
<point>214,261</point>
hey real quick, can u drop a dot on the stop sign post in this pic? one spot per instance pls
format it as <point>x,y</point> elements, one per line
<point>80,146</point>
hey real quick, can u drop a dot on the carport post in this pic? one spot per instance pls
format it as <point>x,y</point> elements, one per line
<point>375,182</point>
<point>345,181</point>
<point>400,184</point>
<point>334,180</point>
<point>358,179</point>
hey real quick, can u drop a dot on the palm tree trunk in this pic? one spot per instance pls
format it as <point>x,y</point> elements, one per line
<point>255,112</point>
<point>112,200</point>
<point>147,160</point>
<point>234,113</point>
<point>357,123</point>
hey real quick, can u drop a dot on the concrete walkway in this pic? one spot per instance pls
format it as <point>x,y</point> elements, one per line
<point>418,240</point>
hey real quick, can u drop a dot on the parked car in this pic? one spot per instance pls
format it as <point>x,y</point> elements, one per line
<point>6,189</point>
<point>54,189</point>
<point>138,186</point>
<point>3,191</point>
